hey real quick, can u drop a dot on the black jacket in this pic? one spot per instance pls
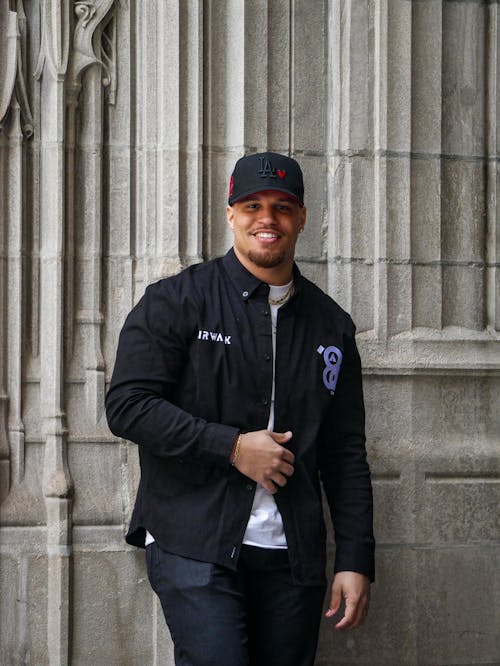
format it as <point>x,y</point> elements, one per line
<point>194,367</point>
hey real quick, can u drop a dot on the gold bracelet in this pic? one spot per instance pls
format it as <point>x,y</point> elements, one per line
<point>236,450</point>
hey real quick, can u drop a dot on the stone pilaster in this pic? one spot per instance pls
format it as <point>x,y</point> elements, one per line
<point>17,124</point>
<point>57,482</point>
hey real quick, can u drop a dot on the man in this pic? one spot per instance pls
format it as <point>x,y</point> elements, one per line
<point>240,381</point>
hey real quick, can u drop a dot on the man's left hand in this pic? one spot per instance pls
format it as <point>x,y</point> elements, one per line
<point>354,589</point>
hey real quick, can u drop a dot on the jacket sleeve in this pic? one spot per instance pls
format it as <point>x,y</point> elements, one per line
<point>140,403</point>
<point>344,469</point>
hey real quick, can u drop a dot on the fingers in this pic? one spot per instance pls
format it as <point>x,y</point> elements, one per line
<point>277,477</point>
<point>280,479</point>
<point>354,614</point>
<point>281,437</point>
<point>281,467</point>
<point>334,601</point>
<point>269,486</point>
<point>263,458</point>
<point>285,469</point>
<point>288,456</point>
<point>354,588</point>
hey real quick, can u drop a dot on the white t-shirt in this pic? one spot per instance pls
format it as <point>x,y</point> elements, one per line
<point>265,525</point>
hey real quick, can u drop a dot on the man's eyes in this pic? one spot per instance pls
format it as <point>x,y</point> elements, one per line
<point>284,208</point>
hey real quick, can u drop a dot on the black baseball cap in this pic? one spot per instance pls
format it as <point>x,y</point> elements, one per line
<point>266,171</point>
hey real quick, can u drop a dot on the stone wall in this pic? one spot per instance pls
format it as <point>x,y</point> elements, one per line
<point>120,121</point>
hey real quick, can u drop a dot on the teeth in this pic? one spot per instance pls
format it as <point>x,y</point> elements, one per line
<point>264,234</point>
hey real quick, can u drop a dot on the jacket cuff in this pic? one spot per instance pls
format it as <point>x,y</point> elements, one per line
<point>359,557</point>
<point>217,442</point>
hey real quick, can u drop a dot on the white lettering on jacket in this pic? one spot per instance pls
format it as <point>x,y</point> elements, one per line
<point>214,336</point>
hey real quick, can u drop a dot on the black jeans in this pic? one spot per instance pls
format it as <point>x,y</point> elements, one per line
<point>254,616</point>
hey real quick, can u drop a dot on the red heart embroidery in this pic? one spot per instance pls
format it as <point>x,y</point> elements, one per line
<point>281,174</point>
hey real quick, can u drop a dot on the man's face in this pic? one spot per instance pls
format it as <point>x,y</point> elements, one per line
<point>265,227</point>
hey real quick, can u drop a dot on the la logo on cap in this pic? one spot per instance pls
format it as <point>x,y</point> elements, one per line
<point>266,170</point>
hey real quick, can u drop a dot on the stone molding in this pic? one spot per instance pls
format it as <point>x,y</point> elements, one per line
<point>12,83</point>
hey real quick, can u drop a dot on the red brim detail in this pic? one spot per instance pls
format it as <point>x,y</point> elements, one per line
<point>288,194</point>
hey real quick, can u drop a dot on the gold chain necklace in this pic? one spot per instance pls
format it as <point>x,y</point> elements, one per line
<point>285,297</point>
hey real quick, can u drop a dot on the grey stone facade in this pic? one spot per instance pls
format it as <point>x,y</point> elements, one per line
<point>119,124</point>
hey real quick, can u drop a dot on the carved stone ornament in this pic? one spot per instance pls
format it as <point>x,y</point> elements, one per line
<point>12,84</point>
<point>54,45</point>
<point>91,15</point>
<point>68,64</point>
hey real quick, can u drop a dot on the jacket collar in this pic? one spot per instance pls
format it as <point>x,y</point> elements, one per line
<point>245,282</point>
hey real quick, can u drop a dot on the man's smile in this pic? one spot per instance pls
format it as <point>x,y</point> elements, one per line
<point>267,236</point>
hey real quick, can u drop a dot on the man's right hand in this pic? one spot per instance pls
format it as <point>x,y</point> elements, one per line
<point>263,458</point>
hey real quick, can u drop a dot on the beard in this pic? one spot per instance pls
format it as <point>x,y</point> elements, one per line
<point>267,258</point>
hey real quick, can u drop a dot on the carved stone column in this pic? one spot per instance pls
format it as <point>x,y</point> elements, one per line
<point>168,110</point>
<point>85,256</point>
<point>16,124</point>
<point>57,482</point>
<point>63,58</point>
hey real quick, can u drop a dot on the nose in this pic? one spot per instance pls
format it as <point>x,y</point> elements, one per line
<point>267,214</point>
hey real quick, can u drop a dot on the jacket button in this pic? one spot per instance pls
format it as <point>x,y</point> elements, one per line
<point>249,486</point>
<point>265,401</point>
<point>245,294</point>
<point>265,313</point>
<point>267,357</point>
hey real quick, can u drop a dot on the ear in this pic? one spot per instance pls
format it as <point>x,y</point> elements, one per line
<point>302,222</point>
<point>230,216</point>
